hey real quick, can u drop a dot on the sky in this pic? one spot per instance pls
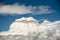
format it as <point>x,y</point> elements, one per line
<point>38,9</point>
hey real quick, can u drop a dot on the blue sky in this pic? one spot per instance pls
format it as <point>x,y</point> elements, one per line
<point>6,20</point>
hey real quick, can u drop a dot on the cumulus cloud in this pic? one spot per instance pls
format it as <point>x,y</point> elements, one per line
<point>22,9</point>
<point>50,30</point>
<point>23,26</point>
<point>30,29</point>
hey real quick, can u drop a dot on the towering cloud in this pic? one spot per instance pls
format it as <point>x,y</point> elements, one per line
<point>30,29</point>
<point>24,25</point>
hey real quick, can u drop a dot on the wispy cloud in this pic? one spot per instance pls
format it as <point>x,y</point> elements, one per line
<point>22,9</point>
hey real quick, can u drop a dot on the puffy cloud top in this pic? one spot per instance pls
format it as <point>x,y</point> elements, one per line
<point>26,19</point>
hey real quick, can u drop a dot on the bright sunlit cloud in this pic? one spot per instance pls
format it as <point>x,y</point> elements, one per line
<point>31,28</point>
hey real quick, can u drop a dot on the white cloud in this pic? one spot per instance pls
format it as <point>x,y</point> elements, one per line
<point>22,9</point>
<point>50,30</point>
<point>30,27</point>
<point>23,26</point>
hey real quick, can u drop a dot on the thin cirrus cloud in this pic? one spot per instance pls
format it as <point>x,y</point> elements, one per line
<point>22,9</point>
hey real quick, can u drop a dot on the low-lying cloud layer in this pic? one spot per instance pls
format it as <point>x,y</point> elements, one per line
<point>30,29</point>
<point>22,9</point>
